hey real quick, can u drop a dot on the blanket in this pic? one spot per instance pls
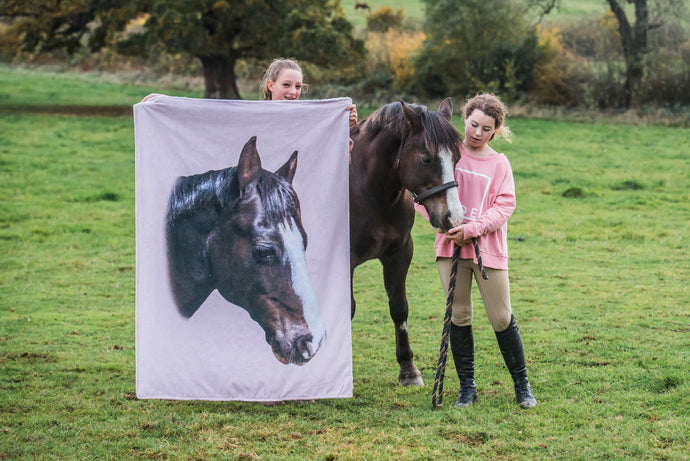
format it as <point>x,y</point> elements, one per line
<point>193,156</point>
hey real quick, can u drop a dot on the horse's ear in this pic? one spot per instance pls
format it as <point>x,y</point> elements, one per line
<point>446,108</point>
<point>249,165</point>
<point>287,171</point>
<point>413,118</point>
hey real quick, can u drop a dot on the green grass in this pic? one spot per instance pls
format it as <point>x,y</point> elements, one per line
<point>414,10</point>
<point>41,89</point>
<point>599,287</point>
<point>578,9</point>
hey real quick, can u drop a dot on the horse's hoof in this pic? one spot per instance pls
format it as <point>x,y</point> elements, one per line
<point>416,381</point>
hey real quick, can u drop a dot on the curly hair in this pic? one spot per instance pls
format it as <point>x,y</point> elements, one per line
<point>492,106</point>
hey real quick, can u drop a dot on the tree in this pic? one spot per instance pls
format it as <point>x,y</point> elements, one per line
<point>634,43</point>
<point>633,36</point>
<point>476,45</point>
<point>41,26</point>
<point>216,32</point>
<point>384,19</point>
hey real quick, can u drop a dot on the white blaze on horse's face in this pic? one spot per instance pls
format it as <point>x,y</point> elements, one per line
<point>452,198</point>
<point>295,256</point>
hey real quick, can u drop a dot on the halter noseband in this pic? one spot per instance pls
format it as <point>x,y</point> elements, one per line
<point>434,190</point>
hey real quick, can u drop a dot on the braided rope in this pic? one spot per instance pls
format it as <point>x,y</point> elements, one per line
<point>437,393</point>
<point>479,258</point>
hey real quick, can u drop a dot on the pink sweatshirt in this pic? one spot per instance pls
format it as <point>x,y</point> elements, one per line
<point>487,193</point>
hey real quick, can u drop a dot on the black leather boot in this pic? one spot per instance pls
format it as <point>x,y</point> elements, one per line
<point>462,346</point>
<point>510,343</point>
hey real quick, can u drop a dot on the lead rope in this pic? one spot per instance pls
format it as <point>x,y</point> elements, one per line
<point>443,353</point>
<point>479,258</point>
<point>437,393</point>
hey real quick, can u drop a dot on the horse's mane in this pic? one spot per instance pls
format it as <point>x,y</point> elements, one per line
<point>220,188</point>
<point>279,199</point>
<point>438,131</point>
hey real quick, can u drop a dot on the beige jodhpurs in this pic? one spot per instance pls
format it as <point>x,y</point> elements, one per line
<point>495,292</point>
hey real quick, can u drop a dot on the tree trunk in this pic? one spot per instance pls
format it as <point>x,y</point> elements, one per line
<point>634,42</point>
<point>219,78</point>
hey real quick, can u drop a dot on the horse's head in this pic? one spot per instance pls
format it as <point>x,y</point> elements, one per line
<point>256,255</point>
<point>427,162</point>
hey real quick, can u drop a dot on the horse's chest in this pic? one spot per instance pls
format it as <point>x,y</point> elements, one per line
<point>375,238</point>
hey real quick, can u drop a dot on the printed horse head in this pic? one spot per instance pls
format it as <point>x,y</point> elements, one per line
<point>239,230</point>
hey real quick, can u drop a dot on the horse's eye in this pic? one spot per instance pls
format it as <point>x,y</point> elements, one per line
<point>264,254</point>
<point>426,159</point>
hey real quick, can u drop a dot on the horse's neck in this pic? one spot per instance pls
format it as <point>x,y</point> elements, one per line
<point>378,163</point>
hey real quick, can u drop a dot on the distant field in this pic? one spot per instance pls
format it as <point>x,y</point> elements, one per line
<point>42,88</point>
<point>415,9</point>
<point>578,9</point>
<point>411,8</point>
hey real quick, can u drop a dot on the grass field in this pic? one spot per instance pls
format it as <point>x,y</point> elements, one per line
<point>414,9</point>
<point>599,271</point>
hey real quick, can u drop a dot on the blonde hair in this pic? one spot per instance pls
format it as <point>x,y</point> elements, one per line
<point>492,106</point>
<point>272,73</point>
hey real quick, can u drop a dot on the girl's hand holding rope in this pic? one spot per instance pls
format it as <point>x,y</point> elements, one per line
<point>457,235</point>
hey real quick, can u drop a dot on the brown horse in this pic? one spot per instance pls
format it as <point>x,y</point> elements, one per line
<point>400,148</point>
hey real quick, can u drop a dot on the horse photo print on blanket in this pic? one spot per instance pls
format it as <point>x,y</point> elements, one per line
<point>242,249</point>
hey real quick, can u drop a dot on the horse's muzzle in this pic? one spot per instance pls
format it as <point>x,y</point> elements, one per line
<point>298,351</point>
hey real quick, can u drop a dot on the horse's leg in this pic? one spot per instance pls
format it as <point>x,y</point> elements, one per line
<point>395,267</point>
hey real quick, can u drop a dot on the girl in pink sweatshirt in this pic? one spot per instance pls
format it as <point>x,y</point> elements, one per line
<point>487,194</point>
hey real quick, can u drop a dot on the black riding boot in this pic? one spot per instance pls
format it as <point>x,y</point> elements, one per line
<point>510,343</point>
<point>462,346</point>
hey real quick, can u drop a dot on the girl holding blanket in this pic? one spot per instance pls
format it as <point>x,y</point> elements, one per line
<point>283,81</point>
<point>487,194</point>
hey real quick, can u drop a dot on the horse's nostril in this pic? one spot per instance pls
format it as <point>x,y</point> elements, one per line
<point>446,222</point>
<point>304,348</point>
<point>309,350</point>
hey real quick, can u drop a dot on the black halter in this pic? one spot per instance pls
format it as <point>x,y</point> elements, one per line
<point>434,190</point>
